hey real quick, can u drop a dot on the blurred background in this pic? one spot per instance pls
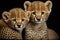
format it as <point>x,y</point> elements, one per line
<point>53,21</point>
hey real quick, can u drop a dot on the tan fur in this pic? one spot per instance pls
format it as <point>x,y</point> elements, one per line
<point>37,28</point>
<point>7,33</point>
<point>36,31</point>
<point>12,23</point>
<point>38,8</point>
<point>52,35</point>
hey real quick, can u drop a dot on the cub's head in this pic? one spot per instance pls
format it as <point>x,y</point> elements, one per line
<point>40,10</point>
<point>16,18</point>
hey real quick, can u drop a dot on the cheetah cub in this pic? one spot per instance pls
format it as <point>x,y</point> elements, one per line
<point>12,23</point>
<point>37,28</point>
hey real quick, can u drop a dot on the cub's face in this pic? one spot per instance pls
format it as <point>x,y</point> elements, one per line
<point>40,11</point>
<point>16,18</point>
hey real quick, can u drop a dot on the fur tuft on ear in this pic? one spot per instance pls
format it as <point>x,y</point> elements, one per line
<point>26,5</point>
<point>5,15</point>
<point>49,5</point>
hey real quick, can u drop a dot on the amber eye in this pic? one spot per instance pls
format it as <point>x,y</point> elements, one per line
<point>42,13</point>
<point>22,19</point>
<point>34,13</point>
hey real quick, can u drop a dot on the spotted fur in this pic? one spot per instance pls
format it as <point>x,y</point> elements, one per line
<point>37,28</point>
<point>12,23</point>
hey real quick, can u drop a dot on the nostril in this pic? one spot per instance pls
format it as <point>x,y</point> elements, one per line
<point>19,26</point>
<point>38,19</point>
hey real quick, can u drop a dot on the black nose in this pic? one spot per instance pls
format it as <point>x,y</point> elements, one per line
<point>38,19</point>
<point>19,26</point>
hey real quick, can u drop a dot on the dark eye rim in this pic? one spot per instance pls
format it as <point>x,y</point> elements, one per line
<point>42,13</point>
<point>22,19</point>
<point>34,13</point>
<point>14,19</point>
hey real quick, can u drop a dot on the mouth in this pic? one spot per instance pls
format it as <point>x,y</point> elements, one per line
<point>37,21</point>
<point>19,28</point>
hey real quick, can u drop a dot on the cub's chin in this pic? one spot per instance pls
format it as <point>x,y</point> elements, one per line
<point>38,22</point>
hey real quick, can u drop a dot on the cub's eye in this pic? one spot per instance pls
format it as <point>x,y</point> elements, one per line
<point>14,19</point>
<point>34,13</point>
<point>42,13</point>
<point>22,19</point>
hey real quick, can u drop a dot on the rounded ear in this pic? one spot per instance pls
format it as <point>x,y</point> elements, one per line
<point>49,5</point>
<point>5,15</point>
<point>27,5</point>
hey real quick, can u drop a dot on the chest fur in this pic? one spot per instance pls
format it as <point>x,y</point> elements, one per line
<point>36,31</point>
